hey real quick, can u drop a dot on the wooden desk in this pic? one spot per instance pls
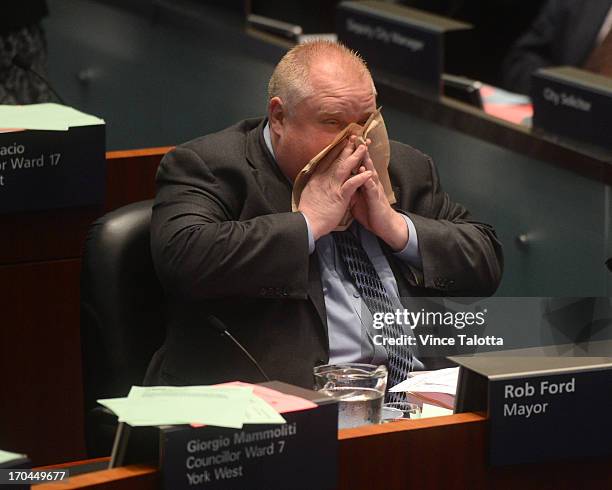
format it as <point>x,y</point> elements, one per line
<point>436,453</point>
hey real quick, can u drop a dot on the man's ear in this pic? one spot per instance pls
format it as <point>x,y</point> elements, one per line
<point>276,114</point>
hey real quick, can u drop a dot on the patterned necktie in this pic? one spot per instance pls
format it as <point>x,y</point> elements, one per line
<point>374,295</point>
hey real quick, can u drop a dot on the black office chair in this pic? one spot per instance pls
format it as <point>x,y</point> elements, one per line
<point>121,315</point>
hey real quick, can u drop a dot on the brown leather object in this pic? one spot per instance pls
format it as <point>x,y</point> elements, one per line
<point>379,150</point>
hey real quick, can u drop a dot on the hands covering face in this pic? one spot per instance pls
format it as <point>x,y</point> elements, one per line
<point>346,179</point>
<point>330,189</point>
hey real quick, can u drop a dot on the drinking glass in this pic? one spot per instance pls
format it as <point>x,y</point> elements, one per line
<point>359,389</point>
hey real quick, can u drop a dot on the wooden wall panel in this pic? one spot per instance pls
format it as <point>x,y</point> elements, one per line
<point>41,410</point>
<point>47,235</point>
<point>131,175</point>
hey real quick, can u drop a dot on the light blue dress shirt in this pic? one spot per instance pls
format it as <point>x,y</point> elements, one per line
<point>349,322</point>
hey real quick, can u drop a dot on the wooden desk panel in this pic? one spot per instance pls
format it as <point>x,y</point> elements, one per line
<point>451,453</point>
<point>447,453</point>
<point>430,453</point>
<point>135,477</point>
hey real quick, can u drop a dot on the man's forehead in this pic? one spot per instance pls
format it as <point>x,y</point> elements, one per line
<point>344,106</point>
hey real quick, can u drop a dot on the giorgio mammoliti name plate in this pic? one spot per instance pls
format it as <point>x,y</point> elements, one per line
<point>301,454</point>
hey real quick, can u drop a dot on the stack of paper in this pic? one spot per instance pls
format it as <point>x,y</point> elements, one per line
<point>9,457</point>
<point>223,406</point>
<point>435,387</point>
<point>428,411</point>
<point>49,117</point>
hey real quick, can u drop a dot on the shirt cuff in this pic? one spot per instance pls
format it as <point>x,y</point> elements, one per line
<point>410,253</point>
<point>311,242</point>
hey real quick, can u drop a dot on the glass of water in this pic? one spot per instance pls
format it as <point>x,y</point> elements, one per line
<point>359,389</point>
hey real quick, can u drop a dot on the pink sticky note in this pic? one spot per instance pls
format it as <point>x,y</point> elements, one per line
<point>513,113</point>
<point>281,402</point>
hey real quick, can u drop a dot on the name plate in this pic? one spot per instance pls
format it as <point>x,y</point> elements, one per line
<point>301,454</point>
<point>573,103</point>
<point>550,409</point>
<point>397,42</point>
<point>42,170</point>
<point>550,417</point>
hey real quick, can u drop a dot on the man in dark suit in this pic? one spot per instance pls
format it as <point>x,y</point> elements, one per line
<point>225,241</point>
<point>565,32</point>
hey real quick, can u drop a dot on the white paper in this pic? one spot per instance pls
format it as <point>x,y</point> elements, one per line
<point>440,381</point>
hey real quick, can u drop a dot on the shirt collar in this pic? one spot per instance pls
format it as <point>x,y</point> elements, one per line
<point>268,139</point>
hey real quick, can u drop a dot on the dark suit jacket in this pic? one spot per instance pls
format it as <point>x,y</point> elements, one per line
<point>225,242</point>
<point>564,33</point>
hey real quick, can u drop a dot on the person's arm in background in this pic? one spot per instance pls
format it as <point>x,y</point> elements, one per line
<point>534,49</point>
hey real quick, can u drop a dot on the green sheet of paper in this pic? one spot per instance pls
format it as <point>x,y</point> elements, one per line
<point>48,116</point>
<point>434,411</point>
<point>168,405</point>
<point>6,456</point>
<point>260,412</point>
<point>223,406</point>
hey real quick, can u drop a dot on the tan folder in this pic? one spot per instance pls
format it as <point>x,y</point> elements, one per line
<point>374,129</point>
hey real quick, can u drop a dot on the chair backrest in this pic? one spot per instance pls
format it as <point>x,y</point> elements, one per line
<point>121,313</point>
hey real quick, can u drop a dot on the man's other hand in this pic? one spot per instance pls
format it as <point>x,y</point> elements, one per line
<point>371,208</point>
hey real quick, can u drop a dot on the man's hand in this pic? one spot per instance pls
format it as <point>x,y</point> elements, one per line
<point>329,191</point>
<point>371,208</point>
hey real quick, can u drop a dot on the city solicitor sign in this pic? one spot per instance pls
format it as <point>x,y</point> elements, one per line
<point>573,103</point>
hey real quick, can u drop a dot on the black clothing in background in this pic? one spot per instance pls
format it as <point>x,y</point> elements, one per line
<point>564,33</point>
<point>21,13</point>
<point>497,24</point>
<point>22,34</point>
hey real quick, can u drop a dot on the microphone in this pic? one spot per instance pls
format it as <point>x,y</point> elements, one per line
<point>220,327</point>
<point>25,64</point>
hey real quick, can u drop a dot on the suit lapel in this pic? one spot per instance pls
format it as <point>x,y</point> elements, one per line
<point>277,190</point>
<point>315,290</point>
<point>273,183</point>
